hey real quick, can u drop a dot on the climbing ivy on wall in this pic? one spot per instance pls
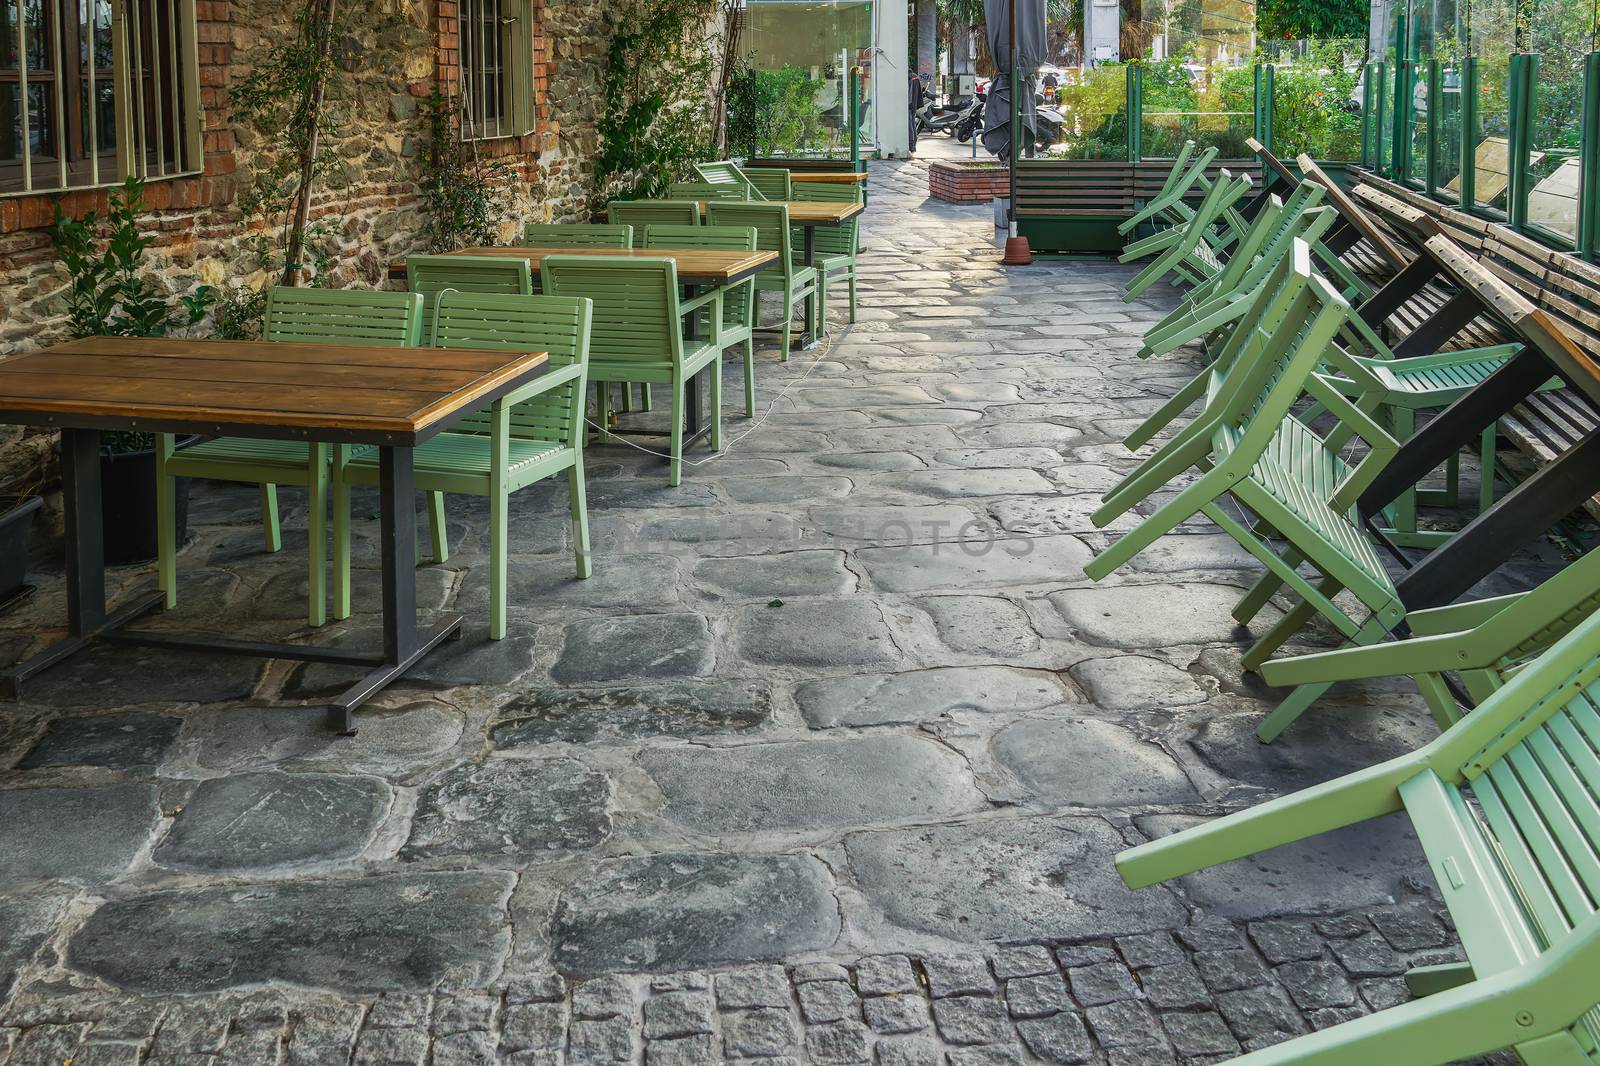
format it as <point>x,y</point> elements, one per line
<point>657,97</point>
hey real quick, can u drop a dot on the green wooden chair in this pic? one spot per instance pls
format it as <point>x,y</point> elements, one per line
<point>642,213</point>
<point>577,235</point>
<point>320,316</point>
<point>705,190</point>
<point>1483,642</point>
<point>1506,806</point>
<point>1163,208</point>
<point>532,433</point>
<point>773,183</point>
<point>792,281</point>
<point>1249,447</point>
<point>638,333</point>
<point>834,247</point>
<point>1216,302</point>
<point>738,302</point>
<point>1188,251</point>
<point>727,172</point>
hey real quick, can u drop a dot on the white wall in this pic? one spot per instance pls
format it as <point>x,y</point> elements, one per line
<point>890,77</point>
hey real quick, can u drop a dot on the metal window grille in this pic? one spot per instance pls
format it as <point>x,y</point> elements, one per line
<point>94,90</point>
<point>496,68</point>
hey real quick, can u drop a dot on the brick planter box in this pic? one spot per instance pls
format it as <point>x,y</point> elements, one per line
<point>965,183</point>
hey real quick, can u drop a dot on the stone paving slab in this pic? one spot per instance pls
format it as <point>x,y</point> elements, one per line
<point>826,764</point>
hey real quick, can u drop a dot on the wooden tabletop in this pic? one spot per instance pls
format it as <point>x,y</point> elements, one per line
<point>1531,324</point>
<point>320,392</point>
<point>830,177</point>
<point>809,212</point>
<point>696,266</point>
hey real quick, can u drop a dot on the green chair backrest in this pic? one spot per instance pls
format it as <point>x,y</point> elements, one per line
<point>771,182</point>
<point>771,223</point>
<point>727,172</point>
<point>642,213</point>
<point>738,302</point>
<point>343,316</point>
<point>432,274</point>
<point>704,190</point>
<point>829,240</point>
<point>577,235</point>
<point>554,324</point>
<point>636,318</point>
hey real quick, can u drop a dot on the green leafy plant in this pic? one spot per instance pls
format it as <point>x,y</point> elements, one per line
<point>463,194</point>
<point>239,314</point>
<point>773,112</point>
<point>285,100</point>
<point>655,118</point>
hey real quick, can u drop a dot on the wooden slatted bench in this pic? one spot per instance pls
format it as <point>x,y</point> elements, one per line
<point>1075,205</point>
<point>1547,424</point>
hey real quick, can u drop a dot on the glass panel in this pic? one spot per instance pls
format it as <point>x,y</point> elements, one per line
<point>1316,99</point>
<point>1094,113</point>
<point>793,97</point>
<point>1562,32</point>
<point>1494,38</point>
<point>1199,77</point>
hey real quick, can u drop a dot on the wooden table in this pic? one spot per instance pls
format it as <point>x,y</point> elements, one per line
<point>1539,502</point>
<point>830,177</point>
<point>697,268</point>
<point>393,398</point>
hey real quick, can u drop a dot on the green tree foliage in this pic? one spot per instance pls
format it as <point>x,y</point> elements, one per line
<point>1297,20</point>
<point>773,112</point>
<point>463,194</point>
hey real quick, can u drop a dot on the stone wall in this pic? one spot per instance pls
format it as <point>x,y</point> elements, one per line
<point>396,53</point>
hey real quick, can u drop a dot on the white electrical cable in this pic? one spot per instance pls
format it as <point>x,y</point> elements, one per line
<point>823,351</point>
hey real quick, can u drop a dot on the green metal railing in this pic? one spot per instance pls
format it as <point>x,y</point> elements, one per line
<point>1489,181</point>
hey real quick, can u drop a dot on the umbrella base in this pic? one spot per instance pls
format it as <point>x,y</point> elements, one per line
<point>1017,252</point>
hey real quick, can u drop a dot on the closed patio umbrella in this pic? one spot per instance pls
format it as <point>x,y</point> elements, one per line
<point>1030,53</point>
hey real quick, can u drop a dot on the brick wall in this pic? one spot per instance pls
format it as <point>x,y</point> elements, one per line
<point>397,52</point>
<point>960,184</point>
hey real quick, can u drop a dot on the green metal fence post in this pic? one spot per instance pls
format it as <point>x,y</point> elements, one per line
<point>1135,101</point>
<point>1368,81</point>
<point>1264,123</point>
<point>1523,77</point>
<point>1435,119</point>
<point>1469,132</point>
<point>855,118</point>
<point>1385,157</point>
<point>1404,98</point>
<point>1589,161</point>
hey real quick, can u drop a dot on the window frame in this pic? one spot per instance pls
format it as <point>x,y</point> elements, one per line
<point>509,111</point>
<point>171,105</point>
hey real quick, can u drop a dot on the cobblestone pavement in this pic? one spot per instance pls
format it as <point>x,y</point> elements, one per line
<point>826,764</point>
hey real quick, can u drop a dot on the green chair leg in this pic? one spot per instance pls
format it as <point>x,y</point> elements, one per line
<point>788,324</point>
<point>499,534</point>
<point>1167,517</point>
<point>576,489</point>
<point>317,530</point>
<point>675,471</point>
<point>1486,466</point>
<point>341,533</point>
<point>1296,703</point>
<point>627,397</point>
<point>1261,593</point>
<point>269,518</point>
<point>852,296</point>
<point>716,404</point>
<point>438,528</point>
<point>1431,980</point>
<point>166,522</point>
<point>646,401</point>
<point>750,377</point>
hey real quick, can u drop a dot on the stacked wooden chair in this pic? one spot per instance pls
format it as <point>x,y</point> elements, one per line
<point>1188,251</point>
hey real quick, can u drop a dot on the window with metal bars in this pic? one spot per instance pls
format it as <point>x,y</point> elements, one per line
<point>92,91</point>
<point>496,68</point>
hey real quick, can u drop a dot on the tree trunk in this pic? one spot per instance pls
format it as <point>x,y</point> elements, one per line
<point>319,25</point>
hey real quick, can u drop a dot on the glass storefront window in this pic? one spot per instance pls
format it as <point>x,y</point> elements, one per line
<point>1493,32</point>
<point>1316,99</point>
<point>1199,77</point>
<point>793,94</point>
<point>1561,33</point>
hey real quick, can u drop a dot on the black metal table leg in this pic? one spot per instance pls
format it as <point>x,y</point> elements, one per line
<point>808,336</point>
<point>401,646</point>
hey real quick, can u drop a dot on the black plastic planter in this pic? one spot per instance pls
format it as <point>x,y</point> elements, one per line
<point>128,505</point>
<point>16,520</point>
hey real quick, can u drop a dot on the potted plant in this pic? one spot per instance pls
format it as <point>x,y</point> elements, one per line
<point>109,295</point>
<point>16,522</point>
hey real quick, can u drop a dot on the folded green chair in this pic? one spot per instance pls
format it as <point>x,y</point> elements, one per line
<point>318,316</point>
<point>1506,806</point>
<point>1167,206</point>
<point>727,172</point>
<point>738,302</point>
<point>1249,447</point>
<point>638,333</point>
<point>642,213</point>
<point>577,235</point>
<point>1483,642</point>
<point>791,280</point>
<point>834,247</point>
<point>532,433</point>
<point>1187,252</point>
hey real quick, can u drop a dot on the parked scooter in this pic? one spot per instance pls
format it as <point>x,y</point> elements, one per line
<point>931,119</point>
<point>972,124</point>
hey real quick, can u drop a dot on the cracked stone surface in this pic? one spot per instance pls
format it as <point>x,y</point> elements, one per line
<point>665,823</point>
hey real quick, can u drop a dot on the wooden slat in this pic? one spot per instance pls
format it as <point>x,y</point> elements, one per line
<point>701,265</point>
<point>830,177</point>
<point>1352,213</point>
